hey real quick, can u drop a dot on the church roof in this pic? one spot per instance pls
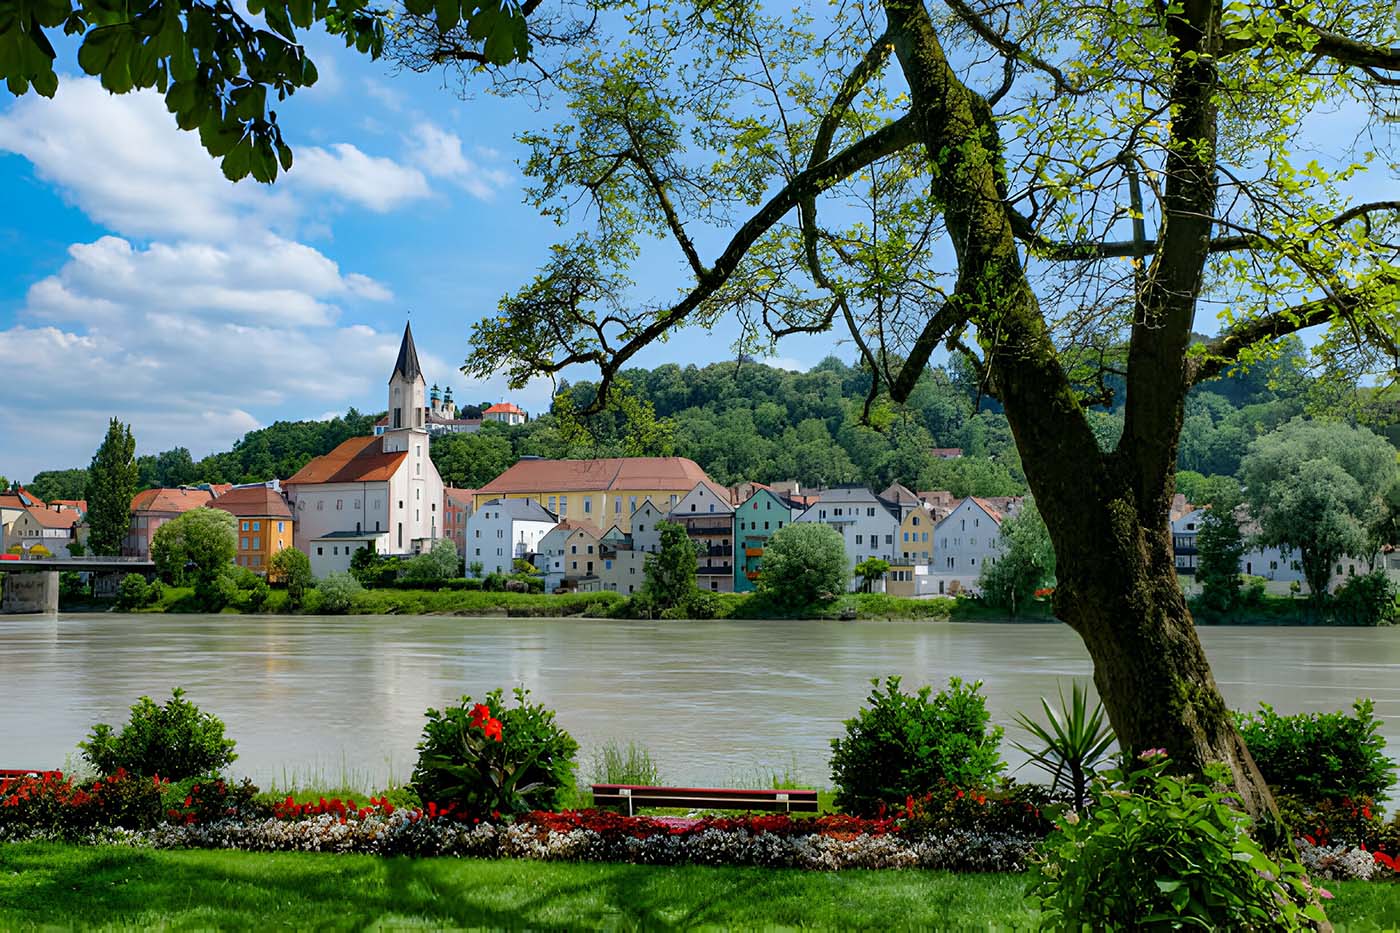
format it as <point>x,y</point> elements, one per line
<point>407,363</point>
<point>358,460</point>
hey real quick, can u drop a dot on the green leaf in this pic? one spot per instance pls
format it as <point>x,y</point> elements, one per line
<point>1166,886</point>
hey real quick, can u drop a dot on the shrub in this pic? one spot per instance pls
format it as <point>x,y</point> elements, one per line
<point>132,592</point>
<point>291,568</point>
<point>1320,756</point>
<point>209,798</point>
<point>1011,808</point>
<point>1160,850</point>
<point>214,591</point>
<point>495,582</point>
<point>905,745</point>
<point>53,804</point>
<point>484,758</point>
<point>258,595</point>
<point>174,741</point>
<point>613,764</point>
<point>1365,600</point>
<point>702,604</point>
<point>338,592</point>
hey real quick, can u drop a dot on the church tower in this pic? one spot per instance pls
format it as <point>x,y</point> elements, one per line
<point>407,398</point>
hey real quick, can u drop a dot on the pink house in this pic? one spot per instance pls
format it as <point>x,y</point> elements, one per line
<point>154,507</point>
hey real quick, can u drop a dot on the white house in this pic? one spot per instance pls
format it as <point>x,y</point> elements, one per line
<point>646,536</point>
<point>868,525</point>
<point>379,492</point>
<point>502,530</point>
<point>50,527</point>
<point>965,541</point>
<point>558,555</point>
<point>505,413</point>
<point>1279,570</point>
<point>622,570</point>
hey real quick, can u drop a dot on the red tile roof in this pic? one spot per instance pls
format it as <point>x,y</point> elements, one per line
<point>535,476</point>
<point>79,504</point>
<point>460,497</point>
<point>170,500</point>
<point>254,502</point>
<point>53,518</point>
<point>358,460</point>
<point>16,499</point>
<point>508,408</point>
<point>988,508</point>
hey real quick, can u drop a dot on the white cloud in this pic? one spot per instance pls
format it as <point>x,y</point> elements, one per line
<point>375,182</point>
<point>122,161</point>
<point>786,362</point>
<point>439,153</point>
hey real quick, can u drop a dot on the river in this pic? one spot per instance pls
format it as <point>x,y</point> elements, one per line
<point>329,700</point>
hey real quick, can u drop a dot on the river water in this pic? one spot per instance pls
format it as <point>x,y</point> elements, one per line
<point>331,700</point>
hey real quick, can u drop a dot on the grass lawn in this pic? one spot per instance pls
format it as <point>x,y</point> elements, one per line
<point>46,885</point>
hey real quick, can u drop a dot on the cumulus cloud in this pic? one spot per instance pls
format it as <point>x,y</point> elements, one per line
<point>439,153</point>
<point>374,182</point>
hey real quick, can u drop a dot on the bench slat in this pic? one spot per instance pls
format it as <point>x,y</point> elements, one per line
<point>721,798</point>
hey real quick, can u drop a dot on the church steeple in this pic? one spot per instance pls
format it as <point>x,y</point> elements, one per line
<point>407,394</point>
<point>407,364</point>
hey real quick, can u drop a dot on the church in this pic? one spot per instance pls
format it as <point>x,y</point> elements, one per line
<point>380,492</point>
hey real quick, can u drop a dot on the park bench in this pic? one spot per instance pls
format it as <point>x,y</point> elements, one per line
<point>633,797</point>
<point>23,772</point>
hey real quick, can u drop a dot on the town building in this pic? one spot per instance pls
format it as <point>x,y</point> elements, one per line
<point>505,413</point>
<point>14,503</point>
<point>53,528</point>
<point>967,540</point>
<point>152,508</point>
<point>456,509</point>
<point>264,524</point>
<point>646,532</point>
<point>602,492</point>
<point>756,519</point>
<point>623,568</point>
<point>502,530</point>
<point>381,492</point>
<point>707,514</point>
<point>867,523</point>
<point>551,558</point>
<point>916,537</point>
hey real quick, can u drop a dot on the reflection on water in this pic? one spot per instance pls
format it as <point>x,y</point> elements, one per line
<point>326,697</point>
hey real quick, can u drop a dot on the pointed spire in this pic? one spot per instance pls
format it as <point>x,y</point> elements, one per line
<point>407,365</point>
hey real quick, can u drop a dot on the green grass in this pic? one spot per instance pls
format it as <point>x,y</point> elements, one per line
<point>878,607</point>
<point>413,602</point>
<point>45,885</point>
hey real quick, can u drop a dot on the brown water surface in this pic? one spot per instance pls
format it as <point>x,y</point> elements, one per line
<point>329,699</point>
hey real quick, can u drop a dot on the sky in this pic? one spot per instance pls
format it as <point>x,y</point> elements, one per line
<point>138,283</point>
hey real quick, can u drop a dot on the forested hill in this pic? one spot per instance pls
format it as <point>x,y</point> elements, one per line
<point>748,421</point>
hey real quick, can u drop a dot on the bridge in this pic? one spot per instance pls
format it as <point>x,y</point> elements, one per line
<point>32,585</point>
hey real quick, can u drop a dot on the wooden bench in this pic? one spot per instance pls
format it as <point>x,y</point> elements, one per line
<point>23,772</point>
<point>633,797</point>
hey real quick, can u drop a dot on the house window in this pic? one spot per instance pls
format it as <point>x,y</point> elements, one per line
<point>320,551</point>
<point>243,544</point>
<point>257,543</point>
<point>631,503</point>
<point>870,513</point>
<point>319,505</point>
<point>563,505</point>
<point>245,526</point>
<point>587,505</point>
<point>257,526</point>
<point>339,504</point>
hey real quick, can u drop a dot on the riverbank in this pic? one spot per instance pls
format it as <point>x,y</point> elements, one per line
<point>43,885</point>
<point>599,605</point>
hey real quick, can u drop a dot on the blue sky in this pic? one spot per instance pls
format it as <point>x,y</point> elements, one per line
<point>138,283</point>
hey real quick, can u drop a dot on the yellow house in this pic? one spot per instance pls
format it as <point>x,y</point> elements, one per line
<point>603,492</point>
<point>914,545</point>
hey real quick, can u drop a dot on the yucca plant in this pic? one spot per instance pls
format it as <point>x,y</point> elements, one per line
<point>1074,744</point>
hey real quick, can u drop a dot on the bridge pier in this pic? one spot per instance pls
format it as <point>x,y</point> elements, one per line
<point>30,592</point>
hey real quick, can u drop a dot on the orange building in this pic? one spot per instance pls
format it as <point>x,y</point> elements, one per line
<point>264,524</point>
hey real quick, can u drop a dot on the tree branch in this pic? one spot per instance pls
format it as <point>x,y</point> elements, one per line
<point>1226,349</point>
<point>1010,49</point>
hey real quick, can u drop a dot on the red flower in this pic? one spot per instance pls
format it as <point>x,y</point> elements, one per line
<point>481,713</point>
<point>492,729</point>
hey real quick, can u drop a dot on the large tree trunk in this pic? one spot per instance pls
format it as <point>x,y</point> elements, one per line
<point>1120,593</point>
<point>1107,512</point>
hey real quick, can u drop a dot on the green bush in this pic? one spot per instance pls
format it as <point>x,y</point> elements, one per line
<point>173,741</point>
<point>702,604</point>
<point>906,745</point>
<point>258,595</point>
<point>495,582</point>
<point>1365,600</point>
<point>216,590</point>
<point>1156,851</point>
<point>1320,756</point>
<point>133,592</point>
<point>525,764</point>
<point>338,592</point>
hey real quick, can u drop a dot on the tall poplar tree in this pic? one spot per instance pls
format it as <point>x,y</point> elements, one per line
<point>111,484</point>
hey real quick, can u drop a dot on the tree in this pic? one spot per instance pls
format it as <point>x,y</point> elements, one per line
<point>1102,120</point>
<point>201,541</point>
<point>438,564</point>
<point>472,460</point>
<point>1312,486</point>
<point>1026,562</point>
<point>870,570</point>
<point>1219,547</point>
<point>175,468</point>
<point>670,573</point>
<point>1122,116</point>
<point>803,565</point>
<point>292,568</point>
<point>110,487</point>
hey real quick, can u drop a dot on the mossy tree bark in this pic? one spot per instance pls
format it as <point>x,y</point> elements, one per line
<point>1107,512</point>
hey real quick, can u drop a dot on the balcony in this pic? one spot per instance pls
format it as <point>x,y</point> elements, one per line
<point>711,528</point>
<point>753,552</point>
<point>751,574</point>
<point>715,570</point>
<point>717,550</point>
